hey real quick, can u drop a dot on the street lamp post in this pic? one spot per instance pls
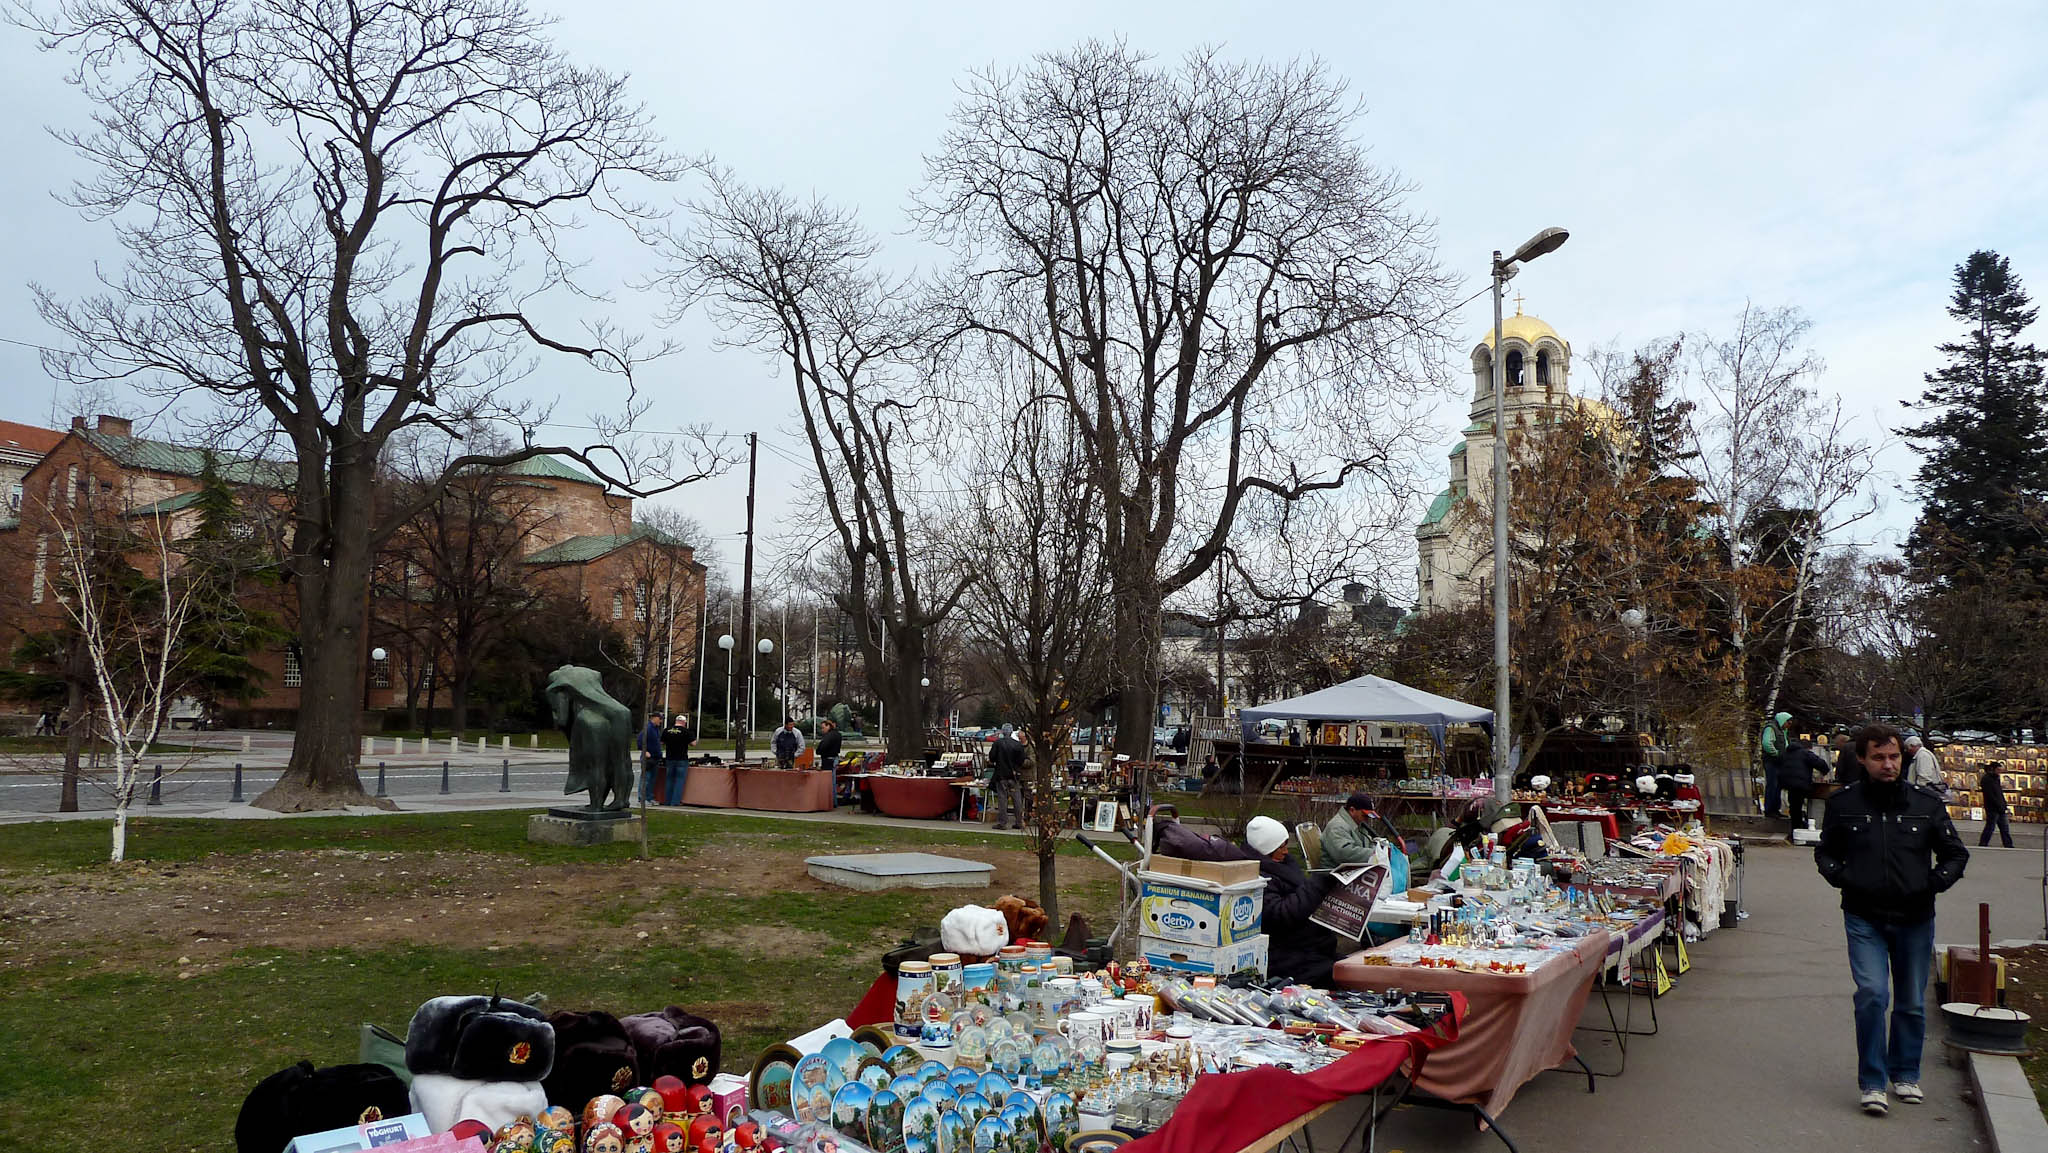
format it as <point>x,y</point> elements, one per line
<point>762,649</point>
<point>725,642</point>
<point>1504,271</point>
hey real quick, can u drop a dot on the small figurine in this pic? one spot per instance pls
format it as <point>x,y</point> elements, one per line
<point>672,1092</point>
<point>604,1137</point>
<point>515,1136</point>
<point>600,1110</point>
<point>670,1137</point>
<point>634,1120</point>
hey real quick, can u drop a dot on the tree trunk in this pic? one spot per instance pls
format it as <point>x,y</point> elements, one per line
<point>1138,621</point>
<point>74,744</point>
<point>333,618</point>
<point>458,703</point>
<point>903,736</point>
<point>1047,817</point>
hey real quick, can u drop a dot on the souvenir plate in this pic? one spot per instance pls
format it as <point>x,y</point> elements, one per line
<point>920,1121</point>
<point>991,1136</point>
<point>1062,1119</point>
<point>1025,1116</point>
<point>901,1058</point>
<point>820,1104</point>
<point>816,1072</point>
<point>963,1079</point>
<point>917,1145</point>
<point>885,1121</point>
<point>905,1086</point>
<point>932,1071</point>
<point>850,1109</point>
<point>774,1070</point>
<point>940,1093</point>
<point>972,1108</point>
<point>844,1054</point>
<point>873,1037</point>
<point>995,1087</point>
<point>955,1134</point>
<point>874,1074</point>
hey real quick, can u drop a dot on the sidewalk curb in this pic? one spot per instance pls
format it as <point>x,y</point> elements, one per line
<point>2007,1105</point>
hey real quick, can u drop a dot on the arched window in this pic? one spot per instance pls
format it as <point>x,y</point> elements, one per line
<point>1514,368</point>
<point>1543,366</point>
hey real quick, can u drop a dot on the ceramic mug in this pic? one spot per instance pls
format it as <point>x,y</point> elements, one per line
<point>1078,1026</point>
<point>1145,1006</point>
<point>1123,1018</point>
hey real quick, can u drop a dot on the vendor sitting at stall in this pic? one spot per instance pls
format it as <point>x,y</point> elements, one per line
<point>1345,841</point>
<point>1299,950</point>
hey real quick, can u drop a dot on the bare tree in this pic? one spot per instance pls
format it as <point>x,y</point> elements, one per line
<point>668,590</point>
<point>132,624</point>
<point>340,220</point>
<point>1232,302</point>
<point>1755,401</point>
<point>792,279</point>
<point>1036,604</point>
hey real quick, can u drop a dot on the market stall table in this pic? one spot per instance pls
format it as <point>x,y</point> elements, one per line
<point>1518,1025</point>
<point>711,786</point>
<point>918,798</point>
<point>782,790</point>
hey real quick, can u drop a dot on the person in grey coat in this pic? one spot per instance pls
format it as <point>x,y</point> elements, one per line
<point>1006,760</point>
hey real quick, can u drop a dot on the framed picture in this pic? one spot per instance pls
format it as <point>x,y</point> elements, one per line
<point>1105,817</point>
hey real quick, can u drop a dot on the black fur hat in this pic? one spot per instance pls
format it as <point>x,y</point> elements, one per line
<point>676,1043</point>
<point>480,1039</point>
<point>593,1056</point>
<point>300,1100</point>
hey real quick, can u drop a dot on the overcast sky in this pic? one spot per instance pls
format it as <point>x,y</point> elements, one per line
<point>1840,157</point>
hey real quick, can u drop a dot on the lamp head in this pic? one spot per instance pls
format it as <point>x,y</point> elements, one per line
<point>725,641</point>
<point>766,646</point>
<point>925,682</point>
<point>1545,241</point>
<point>378,654</point>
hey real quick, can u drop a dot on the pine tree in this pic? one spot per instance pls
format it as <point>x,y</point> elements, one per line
<point>225,572</point>
<point>1984,482</point>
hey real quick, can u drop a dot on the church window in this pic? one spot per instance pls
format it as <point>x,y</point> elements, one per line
<point>1543,366</point>
<point>618,606</point>
<point>294,673</point>
<point>1514,368</point>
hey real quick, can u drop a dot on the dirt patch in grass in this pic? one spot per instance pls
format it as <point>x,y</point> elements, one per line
<point>2026,989</point>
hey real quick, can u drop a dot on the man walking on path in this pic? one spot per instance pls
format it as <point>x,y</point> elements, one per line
<point>1890,847</point>
<point>651,757</point>
<point>1006,779</point>
<point>1994,806</point>
<point>676,740</point>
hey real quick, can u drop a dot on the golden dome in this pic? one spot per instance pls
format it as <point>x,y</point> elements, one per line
<point>1527,329</point>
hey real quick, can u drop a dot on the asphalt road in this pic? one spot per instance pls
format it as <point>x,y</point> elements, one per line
<point>39,792</point>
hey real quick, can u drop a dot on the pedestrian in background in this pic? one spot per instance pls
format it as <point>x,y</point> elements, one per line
<point>788,743</point>
<point>1773,740</point>
<point>828,743</point>
<point>1922,766</point>
<point>1890,847</point>
<point>652,759</point>
<point>1798,771</point>
<point>1994,806</point>
<point>1848,770</point>
<point>1006,779</point>
<point>676,740</point>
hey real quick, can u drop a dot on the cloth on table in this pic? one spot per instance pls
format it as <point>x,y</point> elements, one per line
<point>1519,1024</point>
<point>1232,1111</point>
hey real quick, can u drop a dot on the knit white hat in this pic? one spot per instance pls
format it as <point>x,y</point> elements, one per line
<point>1264,834</point>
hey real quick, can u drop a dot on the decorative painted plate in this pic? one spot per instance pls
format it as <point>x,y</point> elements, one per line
<point>920,1121</point>
<point>996,1087</point>
<point>850,1109</point>
<point>874,1074</point>
<point>991,1136</point>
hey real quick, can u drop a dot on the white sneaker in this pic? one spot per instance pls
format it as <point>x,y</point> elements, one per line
<point>1909,1092</point>
<point>1874,1103</point>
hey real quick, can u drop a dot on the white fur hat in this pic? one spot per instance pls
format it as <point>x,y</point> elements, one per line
<point>974,929</point>
<point>1264,835</point>
<point>445,1100</point>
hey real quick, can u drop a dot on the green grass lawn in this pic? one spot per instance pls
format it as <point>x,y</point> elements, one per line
<point>178,1038</point>
<point>55,745</point>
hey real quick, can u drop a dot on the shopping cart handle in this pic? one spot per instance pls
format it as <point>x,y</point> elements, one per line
<point>1083,838</point>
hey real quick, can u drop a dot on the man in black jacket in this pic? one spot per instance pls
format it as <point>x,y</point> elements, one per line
<point>1799,769</point>
<point>675,748</point>
<point>1890,847</point>
<point>1298,949</point>
<point>828,743</point>
<point>1006,779</point>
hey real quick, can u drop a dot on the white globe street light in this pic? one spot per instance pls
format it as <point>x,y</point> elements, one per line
<point>926,682</point>
<point>725,641</point>
<point>766,646</point>
<point>378,654</point>
<point>1633,618</point>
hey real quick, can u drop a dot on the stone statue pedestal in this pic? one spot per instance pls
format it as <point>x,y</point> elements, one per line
<point>582,827</point>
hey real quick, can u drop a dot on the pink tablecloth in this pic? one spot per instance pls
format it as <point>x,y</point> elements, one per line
<point>783,790</point>
<point>711,786</point>
<point>1518,1025</point>
<point>918,797</point>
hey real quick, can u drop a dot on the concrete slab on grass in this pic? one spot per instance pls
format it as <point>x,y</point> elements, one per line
<point>870,872</point>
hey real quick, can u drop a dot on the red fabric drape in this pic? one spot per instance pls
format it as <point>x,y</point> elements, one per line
<point>1232,1110</point>
<point>877,1006</point>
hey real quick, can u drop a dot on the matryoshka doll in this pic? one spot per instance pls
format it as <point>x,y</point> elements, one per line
<point>554,1131</point>
<point>604,1137</point>
<point>670,1137</point>
<point>672,1091</point>
<point>635,1120</point>
<point>651,1100</point>
<point>600,1111</point>
<point>514,1136</point>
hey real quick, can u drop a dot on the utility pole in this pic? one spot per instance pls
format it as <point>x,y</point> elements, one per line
<point>739,749</point>
<point>1222,698</point>
<point>782,666</point>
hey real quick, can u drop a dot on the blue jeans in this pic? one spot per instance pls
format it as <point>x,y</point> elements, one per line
<point>678,772</point>
<point>650,767</point>
<point>1882,952</point>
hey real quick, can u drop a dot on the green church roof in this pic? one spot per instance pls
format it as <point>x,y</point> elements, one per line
<point>1438,510</point>
<point>584,549</point>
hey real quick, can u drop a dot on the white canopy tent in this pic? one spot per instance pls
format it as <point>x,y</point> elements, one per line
<point>1369,698</point>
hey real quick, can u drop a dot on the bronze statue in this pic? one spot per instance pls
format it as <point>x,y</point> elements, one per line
<point>600,737</point>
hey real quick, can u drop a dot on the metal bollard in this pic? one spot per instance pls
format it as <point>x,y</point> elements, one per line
<point>505,776</point>
<point>380,778</point>
<point>245,742</point>
<point>156,787</point>
<point>238,782</point>
<point>444,778</point>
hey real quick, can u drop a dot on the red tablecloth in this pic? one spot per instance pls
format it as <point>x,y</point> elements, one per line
<point>1609,826</point>
<point>1519,1025</point>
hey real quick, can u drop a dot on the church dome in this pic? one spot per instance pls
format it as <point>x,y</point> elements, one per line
<point>1527,329</point>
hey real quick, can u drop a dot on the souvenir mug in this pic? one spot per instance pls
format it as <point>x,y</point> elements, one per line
<point>1144,1006</point>
<point>946,969</point>
<point>1079,1028</point>
<point>1056,999</point>
<point>979,980</point>
<point>913,981</point>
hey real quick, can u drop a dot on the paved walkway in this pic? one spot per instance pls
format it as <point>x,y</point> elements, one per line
<point>1757,1047</point>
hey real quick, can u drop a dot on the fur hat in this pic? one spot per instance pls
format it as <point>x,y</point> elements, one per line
<point>480,1039</point>
<point>972,930</point>
<point>445,1100</point>
<point>293,1102</point>
<point>1026,918</point>
<point>676,1043</point>
<point>1264,835</point>
<point>593,1055</point>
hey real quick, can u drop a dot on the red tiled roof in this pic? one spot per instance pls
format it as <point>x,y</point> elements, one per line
<point>28,437</point>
